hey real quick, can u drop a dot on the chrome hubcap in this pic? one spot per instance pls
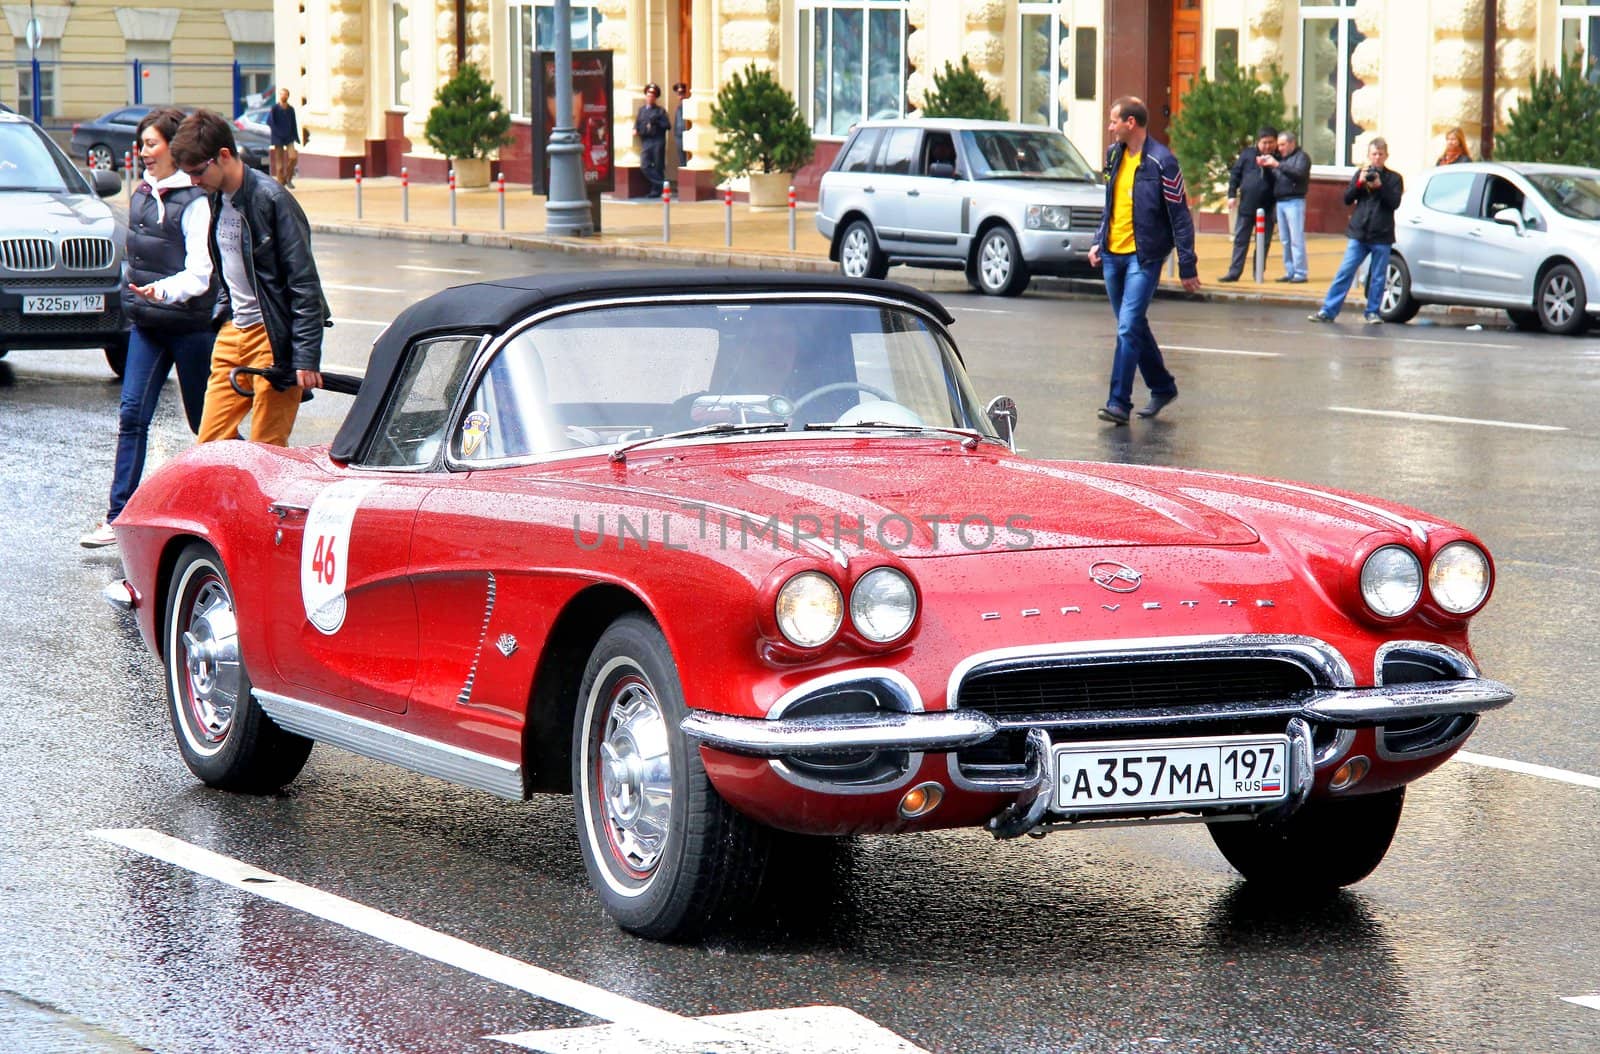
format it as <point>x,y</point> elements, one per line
<point>1559,300</point>
<point>102,157</point>
<point>994,261</point>
<point>211,662</point>
<point>636,776</point>
<point>854,252</point>
<point>1391,288</point>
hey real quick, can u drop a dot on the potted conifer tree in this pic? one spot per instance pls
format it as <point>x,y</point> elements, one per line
<point>760,134</point>
<point>468,123</point>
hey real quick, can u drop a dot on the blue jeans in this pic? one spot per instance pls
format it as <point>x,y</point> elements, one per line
<point>1354,253</point>
<point>151,356</point>
<point>1129,286</point>
<point>1292,232</point>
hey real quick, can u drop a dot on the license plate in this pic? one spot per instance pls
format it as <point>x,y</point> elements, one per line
<point>1115,775</point>
<point>82,304</point>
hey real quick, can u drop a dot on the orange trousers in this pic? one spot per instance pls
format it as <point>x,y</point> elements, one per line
<point>272,412</point>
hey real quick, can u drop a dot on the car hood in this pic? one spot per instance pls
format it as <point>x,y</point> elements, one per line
<point>899,497</point>
<point>69,214</point>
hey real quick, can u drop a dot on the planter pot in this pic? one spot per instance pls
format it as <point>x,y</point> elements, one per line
<point>770,189</point>
<point>472,172</point>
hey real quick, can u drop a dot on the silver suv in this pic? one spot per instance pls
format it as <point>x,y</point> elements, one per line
<point>60,261</point>
<point>1002,201</point>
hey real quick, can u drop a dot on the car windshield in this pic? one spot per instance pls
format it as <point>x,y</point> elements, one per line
<point>620,374</point>
<point>27,162</point>
<point>1571,195</point>
<point>1007,153</point>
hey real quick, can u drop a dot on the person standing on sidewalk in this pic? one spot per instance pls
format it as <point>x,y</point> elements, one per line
<point>1146,216</point>
<point>1291,178</point>
<point>270,298</point>
<point>169,294</point>
<point>285,139</point>
<point>679,124</point>
<point>651,126</point>
<point>1250,184</point>
<point>1375,191</point>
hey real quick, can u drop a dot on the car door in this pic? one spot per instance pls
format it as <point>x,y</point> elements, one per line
<point>1434,238</point>
<point>1499,261</point>
<point>849,184</point>
<point>893,181</point>
<point>934,203</point>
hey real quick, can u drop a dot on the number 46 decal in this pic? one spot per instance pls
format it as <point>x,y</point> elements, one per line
<point>325,552</point>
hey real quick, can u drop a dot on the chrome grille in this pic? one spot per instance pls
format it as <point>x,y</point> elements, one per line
<point>1176,684</point>
<point>87,254</point>
<point>27,254</point>
<point>1084,218</point>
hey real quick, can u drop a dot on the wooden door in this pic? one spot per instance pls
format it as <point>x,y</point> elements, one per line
<point>1186,51</point>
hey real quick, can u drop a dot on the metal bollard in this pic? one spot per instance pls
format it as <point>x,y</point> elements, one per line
<point>127,172</point>
<point>502,182</point>
<point>405,195</point>
<point>1261,245</point>
<point>666,212</point>
<point>358,192</point>
<point>1172,264</point>
<point>727,215</point>
<point>791,217</point>
<point>452,195</point>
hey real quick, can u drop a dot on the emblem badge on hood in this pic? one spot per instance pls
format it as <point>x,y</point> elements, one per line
<point>1119,578</point>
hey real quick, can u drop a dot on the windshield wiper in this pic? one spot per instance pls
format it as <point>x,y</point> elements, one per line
<point>722,428</point>
<point>970,437</point>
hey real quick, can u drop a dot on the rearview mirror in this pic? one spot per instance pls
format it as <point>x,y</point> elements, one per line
<point>1511,218</point>
<point>105,182</point>
<point>1002,413</point>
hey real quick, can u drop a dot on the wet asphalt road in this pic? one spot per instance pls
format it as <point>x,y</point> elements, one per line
<point>1470,937</point>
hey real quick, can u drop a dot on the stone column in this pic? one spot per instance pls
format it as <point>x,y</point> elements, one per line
<point>1457,67</point>
<point>984,42</point>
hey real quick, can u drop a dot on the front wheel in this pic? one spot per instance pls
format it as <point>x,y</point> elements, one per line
<point>117,356</point>
<point>665,853</point>
<point>1325,845</point>
<point>225,737</point>
<point>1397,304</point>
<point>1561,301</point>
<point>859,255</point>
<point>997,267</point>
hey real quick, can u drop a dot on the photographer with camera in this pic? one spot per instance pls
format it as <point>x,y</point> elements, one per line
<point>1375,191</point>
<point>1250,186</point>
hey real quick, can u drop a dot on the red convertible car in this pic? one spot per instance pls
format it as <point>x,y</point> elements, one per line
<point>734,558</point>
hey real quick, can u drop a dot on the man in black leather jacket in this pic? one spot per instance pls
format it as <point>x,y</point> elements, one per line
<point>271,309</point>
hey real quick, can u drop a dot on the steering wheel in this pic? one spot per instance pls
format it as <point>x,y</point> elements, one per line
<point>796,424</point>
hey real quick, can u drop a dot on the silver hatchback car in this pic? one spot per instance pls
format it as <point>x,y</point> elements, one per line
<point>1522,237</point>
<point>1001,201</point>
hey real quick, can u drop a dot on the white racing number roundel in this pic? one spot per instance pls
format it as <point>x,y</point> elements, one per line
<point>325,552</point>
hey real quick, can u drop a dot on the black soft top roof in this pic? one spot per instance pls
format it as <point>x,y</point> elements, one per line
<point>492,307</point>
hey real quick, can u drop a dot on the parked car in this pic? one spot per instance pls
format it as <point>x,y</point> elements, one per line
<point>1521,237</point>
<point>254,121</point>
<point>734,558</point>
<point>1001,201</point>
<point>60,259</point>
<point>104,142</point>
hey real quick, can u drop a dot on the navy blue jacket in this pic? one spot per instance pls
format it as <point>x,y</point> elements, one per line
<point>1160,208</point>
<point>283,126</point>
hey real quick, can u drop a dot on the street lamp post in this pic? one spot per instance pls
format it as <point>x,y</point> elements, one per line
<point>566,209</point>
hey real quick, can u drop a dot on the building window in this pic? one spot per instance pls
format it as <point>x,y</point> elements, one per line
<point>1328,37</point>
<point>853,63</point>
<point>533,28</point>
<point>49,55</point>
<point>155,71</point>
<point>1580,35</point>
<point>1043,65</point>
<point>255,70</point>
<point>399,54</point>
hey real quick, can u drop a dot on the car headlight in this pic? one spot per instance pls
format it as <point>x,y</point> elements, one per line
<point>810,609</point>
<point>883,605</point>
<point>1049,217</point>
<point>1391,580</point>
<point>1458,578</point>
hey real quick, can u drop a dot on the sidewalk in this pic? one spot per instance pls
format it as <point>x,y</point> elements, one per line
<point>633,229</point>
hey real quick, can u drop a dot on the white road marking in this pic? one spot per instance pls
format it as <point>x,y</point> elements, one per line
<point>434,270</point>
<point>360,288</point>
<point>1545,772</point>
<point>814,1029</point>
<point>1590,1001</point>
<point>1223,351</point>
<point>980,310</point>
<point>451,951</point>
<point>358,322</point>
<point>1443,419</point>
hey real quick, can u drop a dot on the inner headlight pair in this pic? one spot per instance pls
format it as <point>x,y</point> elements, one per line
<point>1458,579</point>
<point>883,605</point>
<point>1049,217</point>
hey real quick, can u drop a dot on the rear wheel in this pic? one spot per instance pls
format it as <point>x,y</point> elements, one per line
<point>225,737</point>
<point>997,267</point>
<point>1326,844</point>
<point>859,255</point>
<point>99,156</point>
<point>1561,301</point>
<point>665,853</point>
<point>1397,304</point>
<point>1523,319</point>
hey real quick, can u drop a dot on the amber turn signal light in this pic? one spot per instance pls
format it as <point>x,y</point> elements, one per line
<point>921,800</point>
<point>1350,773</point>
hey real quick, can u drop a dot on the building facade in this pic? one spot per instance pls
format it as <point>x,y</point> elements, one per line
<point>368,69</point>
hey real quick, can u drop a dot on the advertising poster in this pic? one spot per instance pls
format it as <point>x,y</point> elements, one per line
<point>591,116</point>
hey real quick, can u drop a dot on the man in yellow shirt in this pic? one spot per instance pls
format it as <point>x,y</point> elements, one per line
<point>1146,217</point>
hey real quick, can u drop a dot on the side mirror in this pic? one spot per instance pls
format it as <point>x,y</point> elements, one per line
<point>942,170</point>
<point>1002,413</point>
<point>105,182</point>
<point>1511,218</point>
